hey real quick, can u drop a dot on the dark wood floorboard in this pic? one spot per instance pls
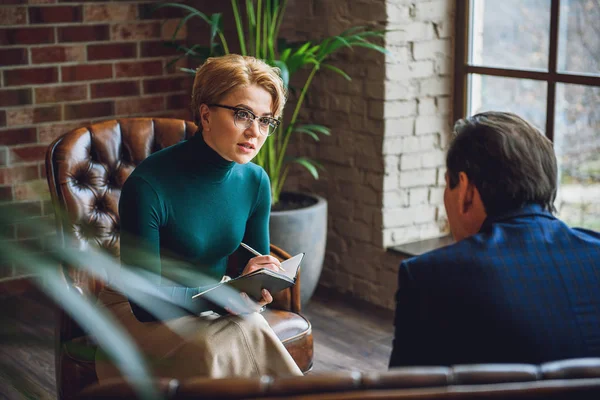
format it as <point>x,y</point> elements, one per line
<point>349,336</point>
<point>27,349</point>
<point>346,338</point>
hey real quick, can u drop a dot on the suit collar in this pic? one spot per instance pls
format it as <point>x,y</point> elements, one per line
<point>530,210</point>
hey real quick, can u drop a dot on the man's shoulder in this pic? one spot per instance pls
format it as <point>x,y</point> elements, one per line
<point>434,264</point>
<point>587,235</point>
<point>463,258</point>
<point>506,247</point>
<point>450,253</point>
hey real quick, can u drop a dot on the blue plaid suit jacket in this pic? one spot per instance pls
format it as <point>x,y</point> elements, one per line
<point>526,288</point>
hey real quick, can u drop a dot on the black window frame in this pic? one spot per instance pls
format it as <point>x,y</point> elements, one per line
<point>462,68</point>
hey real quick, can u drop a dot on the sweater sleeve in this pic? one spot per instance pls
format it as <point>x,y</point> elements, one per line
<point>142,214</point>
<point>257,226</point>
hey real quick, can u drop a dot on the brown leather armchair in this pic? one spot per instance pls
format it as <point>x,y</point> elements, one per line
<point>86,169</point>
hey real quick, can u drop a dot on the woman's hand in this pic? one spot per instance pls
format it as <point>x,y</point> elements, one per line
<point>268,262</point>
<point>259,262</point>
<point>236,308</point>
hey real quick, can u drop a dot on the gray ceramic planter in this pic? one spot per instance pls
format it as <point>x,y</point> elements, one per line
<point>303,230</point>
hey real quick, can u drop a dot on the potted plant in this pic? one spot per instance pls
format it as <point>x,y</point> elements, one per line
<point>298,220</point>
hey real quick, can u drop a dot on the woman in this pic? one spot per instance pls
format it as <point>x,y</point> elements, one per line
<point>194,203</point>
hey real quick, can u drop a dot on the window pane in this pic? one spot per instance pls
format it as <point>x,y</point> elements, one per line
<point>579,29</point>
<point>524,97</point>
<point>577,144</point>
<point>510,33</point>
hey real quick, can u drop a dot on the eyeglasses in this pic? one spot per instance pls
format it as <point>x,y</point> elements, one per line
<point>243,118</point>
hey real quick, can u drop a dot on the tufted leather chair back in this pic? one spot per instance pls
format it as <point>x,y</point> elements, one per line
<point>87,168</point>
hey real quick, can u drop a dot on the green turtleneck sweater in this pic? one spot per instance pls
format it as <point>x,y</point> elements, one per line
<point>187,204</point>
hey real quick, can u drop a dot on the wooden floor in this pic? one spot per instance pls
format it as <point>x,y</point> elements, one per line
<point>29,363</point>
<point>346,337</point>
<point>349,336</point>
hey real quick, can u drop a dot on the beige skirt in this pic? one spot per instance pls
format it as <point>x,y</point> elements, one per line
<point>210,346</point>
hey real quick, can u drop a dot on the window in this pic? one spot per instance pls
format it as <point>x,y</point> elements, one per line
<point>541,60</point>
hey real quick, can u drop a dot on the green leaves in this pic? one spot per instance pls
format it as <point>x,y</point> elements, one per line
<point>354,37</point>
<point>296,59</point>
<point>216,26</point>
<point>238,24</point>
<point>180,25</point>
<point>107,332</point>
<point>313,130</point>
<point>337,71</point>
<point>196,51</point>
<point>113,340</point>
<point>215,22</point>
<point>311,165</point>
<point>285,72</point>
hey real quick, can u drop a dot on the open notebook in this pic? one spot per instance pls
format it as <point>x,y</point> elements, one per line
<point>253,283</point>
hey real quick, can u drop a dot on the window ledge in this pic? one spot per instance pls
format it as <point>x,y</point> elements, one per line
<point>422,246</point>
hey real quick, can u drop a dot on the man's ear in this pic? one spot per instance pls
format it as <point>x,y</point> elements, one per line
<point>466,193</point>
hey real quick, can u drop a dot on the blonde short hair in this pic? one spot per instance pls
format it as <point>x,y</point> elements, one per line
<point>220,75</point>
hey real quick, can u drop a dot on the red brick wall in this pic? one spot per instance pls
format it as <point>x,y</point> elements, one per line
<point>67,63</point>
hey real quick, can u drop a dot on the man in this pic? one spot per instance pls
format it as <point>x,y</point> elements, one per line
<point>518,285</point>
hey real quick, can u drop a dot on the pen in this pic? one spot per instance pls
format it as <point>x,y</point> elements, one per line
<point>256,253</point>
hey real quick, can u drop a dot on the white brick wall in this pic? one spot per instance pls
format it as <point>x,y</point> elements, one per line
<point>417,178</point>
<point>425,50</point>
<point>384,159</point>
<point>413,189</point>
<point>399,108</point>
<point>437,10</point>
